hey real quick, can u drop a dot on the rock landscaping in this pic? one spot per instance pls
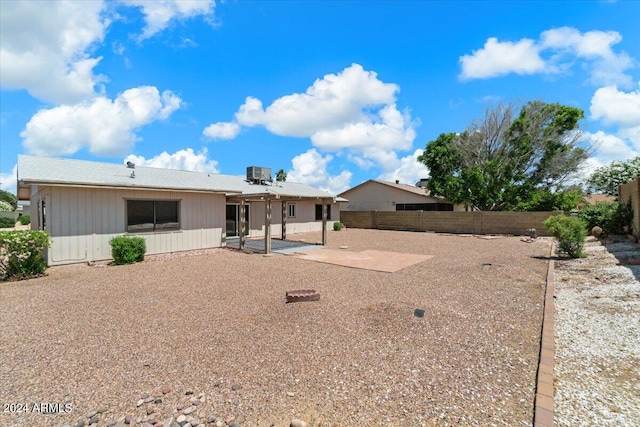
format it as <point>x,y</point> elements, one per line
<point>214,330</point>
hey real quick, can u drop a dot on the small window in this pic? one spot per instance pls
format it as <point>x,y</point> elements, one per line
<point>319,212</point>
<point>291,210</point>
<point>151,215</point>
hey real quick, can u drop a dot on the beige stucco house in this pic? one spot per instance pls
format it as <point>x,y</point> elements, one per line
<point>84,204</point>
<point>376,195</point>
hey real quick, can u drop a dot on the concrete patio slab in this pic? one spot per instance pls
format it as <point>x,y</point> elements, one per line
<point>367,260</point>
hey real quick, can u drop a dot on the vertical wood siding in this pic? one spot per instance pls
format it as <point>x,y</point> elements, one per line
<point>83,220</point>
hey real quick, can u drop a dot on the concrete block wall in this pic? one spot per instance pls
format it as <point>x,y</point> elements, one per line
<point>515,223</point>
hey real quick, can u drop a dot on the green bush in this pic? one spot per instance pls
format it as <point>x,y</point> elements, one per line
<point>7,222</point>
<point>127,250</point>
<point>22,253</point>
<point>25,219</point>
<point>337,226</point>
<point>612,217</point>
<point>570,233</point>
<point>6,207</point>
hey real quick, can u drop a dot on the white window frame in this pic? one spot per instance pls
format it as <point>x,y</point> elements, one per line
<point>291,210</point>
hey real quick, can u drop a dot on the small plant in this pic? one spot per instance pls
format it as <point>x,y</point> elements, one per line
<point>7,222</point>
<point>22,253</point>
<point>570,233</point>
<point>337,226</point>
<point>25,220</point>
<point>127,250</point>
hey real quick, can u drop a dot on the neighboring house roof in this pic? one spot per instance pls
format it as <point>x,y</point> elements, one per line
<point>592,199</point>
<point>404,187</point>
<point>71,172</point>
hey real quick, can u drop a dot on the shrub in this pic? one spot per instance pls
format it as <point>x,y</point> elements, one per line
<point>612,217</point>
<point>570,233</point>
<point>337,226</point>
<point>127,250</point>
<point>6,206</point>
<point>7,222</point>
<point>25,219</point>
<point>22,253</point>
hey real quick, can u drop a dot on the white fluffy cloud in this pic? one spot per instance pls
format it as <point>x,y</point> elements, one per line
<point>406,169</point>
<point>159,14</point>
<point>222,130</point>
<point>185,159</point>
<point>8,181</point>
<point>104,126</point>
<point>499,58</point>
<point>310,168</point>
<point>595,47</point>
<point>562,47</point>
<point>352,110</point>
<point>620,109</point>
<point>46,48</point>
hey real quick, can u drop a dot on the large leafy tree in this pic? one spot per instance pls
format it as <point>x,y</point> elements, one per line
<point>607,179</point>
<point>501,161</point>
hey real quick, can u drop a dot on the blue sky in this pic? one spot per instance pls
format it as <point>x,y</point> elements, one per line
<point>333,92</point>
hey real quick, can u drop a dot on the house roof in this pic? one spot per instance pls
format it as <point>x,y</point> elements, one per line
<point>403,187</point>
<point>71,172</point>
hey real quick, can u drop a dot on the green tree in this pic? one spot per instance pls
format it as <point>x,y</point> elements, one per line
<point>5,196</point>
<point>501,161</point>
<point>607,179</point>
<point>281,176</point>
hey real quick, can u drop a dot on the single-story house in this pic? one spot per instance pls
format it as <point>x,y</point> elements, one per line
<point>83,204</point>
<point>376,195</point>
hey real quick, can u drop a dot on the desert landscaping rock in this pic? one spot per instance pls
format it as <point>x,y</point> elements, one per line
<point>356,357</point>
<point>188,410</point>
<point>297,423</point>
<point>597,344</point>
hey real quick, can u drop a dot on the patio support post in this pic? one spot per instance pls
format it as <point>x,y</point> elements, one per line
<point>324,223</point>
<point>242,224</point>
<point>267,226</point>
<point>284,220</point>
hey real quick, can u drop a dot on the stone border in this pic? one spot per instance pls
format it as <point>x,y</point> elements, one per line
<point>543,406</point>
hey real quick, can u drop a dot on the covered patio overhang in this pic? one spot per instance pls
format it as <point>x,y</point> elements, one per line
<point>267,199</point>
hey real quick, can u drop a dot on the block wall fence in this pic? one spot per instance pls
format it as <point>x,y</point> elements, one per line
<point>515,223</point>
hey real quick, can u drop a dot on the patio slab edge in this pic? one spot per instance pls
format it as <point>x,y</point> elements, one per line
<point>543,404</point>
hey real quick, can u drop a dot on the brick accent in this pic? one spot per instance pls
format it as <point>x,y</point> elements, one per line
<point>543,406</point>
<point>302,295</point>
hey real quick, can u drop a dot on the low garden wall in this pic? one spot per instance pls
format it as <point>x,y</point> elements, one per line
<point>515,223</point>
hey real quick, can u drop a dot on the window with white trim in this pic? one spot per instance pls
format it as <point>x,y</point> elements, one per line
<point>152,215</point>
<point>291,210</point>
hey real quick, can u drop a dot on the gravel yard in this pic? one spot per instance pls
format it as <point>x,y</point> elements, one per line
<point>597,338</point>
<point>216,324</point>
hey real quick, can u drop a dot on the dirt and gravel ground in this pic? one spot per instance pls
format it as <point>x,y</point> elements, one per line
<point>597,321</point>
<point>98,339</point>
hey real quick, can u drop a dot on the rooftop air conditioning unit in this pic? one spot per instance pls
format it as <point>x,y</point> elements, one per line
<point>257,174</point>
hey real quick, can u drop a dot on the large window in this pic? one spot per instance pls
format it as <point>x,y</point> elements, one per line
<point>319,212</point>
<point>152,215</point>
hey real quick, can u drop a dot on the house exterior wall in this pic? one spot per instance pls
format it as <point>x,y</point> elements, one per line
<point>83,220</point>
<point>303,222</point>
<point>379,197</point>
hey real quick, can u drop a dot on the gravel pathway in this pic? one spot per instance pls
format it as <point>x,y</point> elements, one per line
<point>214,328</point>
<point>597,336</point>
